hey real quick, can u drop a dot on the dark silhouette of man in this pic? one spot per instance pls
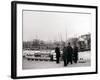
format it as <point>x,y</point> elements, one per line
<point>75,53</point>
<point>57,51</point>
<point>69,53</point>
<point>65,55</point>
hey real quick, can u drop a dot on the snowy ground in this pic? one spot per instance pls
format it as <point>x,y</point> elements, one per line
<point>29,64</point>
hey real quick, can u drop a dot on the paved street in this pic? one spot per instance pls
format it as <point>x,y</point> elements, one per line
<point>47,64</point>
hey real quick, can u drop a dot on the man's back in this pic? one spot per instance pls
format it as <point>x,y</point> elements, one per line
<point>69,50</point>
<point>57,51</point>
<point>64,52</point>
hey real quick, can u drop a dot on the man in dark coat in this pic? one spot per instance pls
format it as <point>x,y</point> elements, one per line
<point>75,53</point>
<point>65,56</point>
<point>57,51</point>
<point>69,53</point>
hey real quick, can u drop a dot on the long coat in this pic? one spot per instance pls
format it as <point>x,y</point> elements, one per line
<point>64,53</point>
<point>67,53</point>
<point>57,51</point>
<point>75,53</point>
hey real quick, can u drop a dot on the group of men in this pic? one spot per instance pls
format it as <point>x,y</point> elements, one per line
<point>70,54</point>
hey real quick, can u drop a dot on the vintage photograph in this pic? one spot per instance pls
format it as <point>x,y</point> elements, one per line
<point>55,39</point>
<point>50,39</point>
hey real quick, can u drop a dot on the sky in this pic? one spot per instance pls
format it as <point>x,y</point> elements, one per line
<point>50,26</point>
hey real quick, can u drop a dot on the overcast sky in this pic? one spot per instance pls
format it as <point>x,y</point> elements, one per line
<point>50,26</point>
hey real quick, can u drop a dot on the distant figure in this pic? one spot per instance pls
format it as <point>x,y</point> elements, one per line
<point>69,53</point>
<point>65,56</point>
<point>57,51</point>
<point>75,53</point>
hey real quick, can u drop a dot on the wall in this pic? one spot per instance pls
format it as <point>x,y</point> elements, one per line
<point>5,40</point>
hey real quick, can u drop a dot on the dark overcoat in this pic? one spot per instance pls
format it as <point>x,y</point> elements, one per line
<point>64,53</point>
<point>57,51</point>
<point>69,53</point>
<point>75,52</point>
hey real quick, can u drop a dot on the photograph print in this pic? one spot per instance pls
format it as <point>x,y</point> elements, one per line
<point>54,39</point>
